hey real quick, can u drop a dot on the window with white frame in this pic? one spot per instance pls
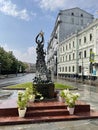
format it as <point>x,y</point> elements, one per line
<point>69,69</point>
<point>73,44</point>
<point>62,69</point>
<point>80,55</point>
<point>84,39</point>
<point>79,42</point>
<point>90,36</point>
<point>90,51</point>
<point>69,45</point>
<point>72,14</point>
<point>81,15</point>
<point>73,56</point>
<point>85,54</point>
<point>69,57</point>
<point>66,68</point>
<point>80,69</point>
<point>66,47</point>
<point>73,68</point>
<point>63,58</point>
<point>66,57</point>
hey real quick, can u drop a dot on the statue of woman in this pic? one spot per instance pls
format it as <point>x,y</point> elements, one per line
<point>41,68</point>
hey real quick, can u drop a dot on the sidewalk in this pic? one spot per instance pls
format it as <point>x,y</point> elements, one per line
<point>74,80</point>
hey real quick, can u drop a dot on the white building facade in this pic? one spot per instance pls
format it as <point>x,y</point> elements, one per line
<point>67,23</point>
<point>74,53</point>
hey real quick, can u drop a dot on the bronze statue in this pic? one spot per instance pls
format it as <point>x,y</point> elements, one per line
<point>42,82</point>
<point>41,68</point>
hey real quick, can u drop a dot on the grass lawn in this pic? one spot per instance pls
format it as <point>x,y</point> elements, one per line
<point>19,86</point>
<point>24,85</point>
<point>62,86</point>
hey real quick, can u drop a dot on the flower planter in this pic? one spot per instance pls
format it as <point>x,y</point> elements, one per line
<point>61,99</point>
<point>32,98</point>
<point>22,112</point>
<point>71,110</point>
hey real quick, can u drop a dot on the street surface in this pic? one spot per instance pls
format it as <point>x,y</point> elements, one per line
<point>13,79</point>
<point>88,93</point>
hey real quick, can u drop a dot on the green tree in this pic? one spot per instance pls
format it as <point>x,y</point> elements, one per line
<point>5,61</point>
<point>9,63</point>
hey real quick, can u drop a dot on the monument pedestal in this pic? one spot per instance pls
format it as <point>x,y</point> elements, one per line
<point>47,89</point>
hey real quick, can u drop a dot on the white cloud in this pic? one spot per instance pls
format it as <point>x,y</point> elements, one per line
<point>28,56</point>
<point>52,4</point>
<point>90,5</point>
<point>8,8</point>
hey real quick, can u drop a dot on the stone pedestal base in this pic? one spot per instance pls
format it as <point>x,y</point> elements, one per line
<point>47,89</point>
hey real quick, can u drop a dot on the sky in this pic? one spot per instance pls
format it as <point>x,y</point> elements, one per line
<point>22,20</point>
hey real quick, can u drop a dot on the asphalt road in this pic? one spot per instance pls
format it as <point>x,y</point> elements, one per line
<point>13,79</point>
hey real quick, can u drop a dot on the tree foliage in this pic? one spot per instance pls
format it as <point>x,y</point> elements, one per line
<point>9,64</point>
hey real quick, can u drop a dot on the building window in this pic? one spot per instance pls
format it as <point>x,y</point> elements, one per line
<point>69,69</point>
<point>80,69</point>
<point>80,55</point>
<point>72,14</point>
<point>85,54</point>
<point>69,57</point>
<point>81,15</point>
<point>73,44</point>
<point>66,69</point>
<point>84,39</point>
<point>62,69</point>
<point>90,52</point>
<point>66,47</point>
<point>66,57</point>
<point>90,37</point>
<point>69,46</point>
<point>80,42</point>
<point>63,58</point>
<point>63,48</point>
<point>73,56</point>
<point>73,69</point>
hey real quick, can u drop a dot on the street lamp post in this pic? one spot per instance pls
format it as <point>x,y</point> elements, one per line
<point>92,59</point>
